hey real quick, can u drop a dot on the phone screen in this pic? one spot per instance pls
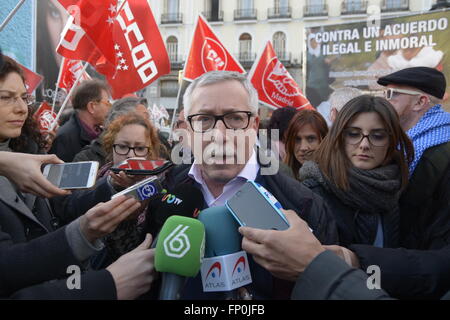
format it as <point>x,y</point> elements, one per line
<point>252,209</point>
<point>71,175</point>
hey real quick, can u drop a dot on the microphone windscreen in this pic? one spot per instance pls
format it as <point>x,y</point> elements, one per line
<point>222,236</point>
<point>181,246</point>
<point>184,200</point>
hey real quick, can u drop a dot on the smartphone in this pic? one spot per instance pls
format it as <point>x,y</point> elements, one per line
<point>142,190</point>
<point>72,175</point>
<point>137,166</point>
<point>254,206</point>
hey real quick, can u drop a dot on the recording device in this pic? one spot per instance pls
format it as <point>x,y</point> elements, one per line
<point>142,190</point>
<point>179,254</point>
<point>255,207</point>
<point>140,166</point>
<point>73,175</point>
<point>225,266</point>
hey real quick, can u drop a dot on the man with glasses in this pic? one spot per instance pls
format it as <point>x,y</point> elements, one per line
<point>416,94</point>
<point>221,109</point>
<point>91,103</point>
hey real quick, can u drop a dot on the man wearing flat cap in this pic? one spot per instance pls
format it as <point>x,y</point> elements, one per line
<point>416,94</point>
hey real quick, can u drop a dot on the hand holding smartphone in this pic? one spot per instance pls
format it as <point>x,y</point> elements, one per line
<point>140,166</point>
<point>72,175</point>
<point>254,206</point>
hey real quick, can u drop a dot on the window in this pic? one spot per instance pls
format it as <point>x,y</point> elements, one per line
<point>281,7</point>
<point>169,88</point>
<point>245,4</point>
<point>213,12</point>
<point>279,45</point>
<point>245,47</point>
<point>172,6</point>
<point>316,6</point>
<point>172,48</point>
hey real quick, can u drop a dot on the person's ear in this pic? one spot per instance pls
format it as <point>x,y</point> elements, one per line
<point>90,107</point>
<point>421,102</point>
<point>333,114</point>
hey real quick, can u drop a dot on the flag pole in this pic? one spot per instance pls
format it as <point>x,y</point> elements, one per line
<point>11,14</point>
<point>67,97</point>
<point>57,83</point>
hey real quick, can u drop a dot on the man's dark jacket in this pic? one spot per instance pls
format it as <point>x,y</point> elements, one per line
<point>28,270</point>
<point>292,195</point>
<point>425,225</point>
<point>70,139</point>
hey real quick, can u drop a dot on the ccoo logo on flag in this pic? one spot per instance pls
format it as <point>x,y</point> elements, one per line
<point>214,56</point>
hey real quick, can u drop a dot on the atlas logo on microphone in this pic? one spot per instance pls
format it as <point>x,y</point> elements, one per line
<point>177,244</point>
<point>225,273</point>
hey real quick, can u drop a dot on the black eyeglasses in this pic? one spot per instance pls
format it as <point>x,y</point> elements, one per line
<point>123,150</point>
<point>377,138</point>
<point>203,122</point>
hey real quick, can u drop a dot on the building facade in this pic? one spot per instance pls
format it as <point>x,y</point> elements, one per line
<point>244,27</point>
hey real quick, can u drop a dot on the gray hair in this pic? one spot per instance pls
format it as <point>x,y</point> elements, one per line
<point>213,77</point>
<point>123,106</point>
<point>343,95</point>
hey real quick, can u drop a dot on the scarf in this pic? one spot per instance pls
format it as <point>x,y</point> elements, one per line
<point>375,191</point>
<point>371,193</point>
<point>432,129</point>
<point>4,146</point>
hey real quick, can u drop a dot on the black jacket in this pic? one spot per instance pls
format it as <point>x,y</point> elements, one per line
<point>425,204</point>
<point>328,277</point>
<point>292,195</point>
<point>69,208</point>
<point>26,270</point>
<point>345,216</point>
<point>70,139</point>
<point>92,152</point>
<point>32,250</point>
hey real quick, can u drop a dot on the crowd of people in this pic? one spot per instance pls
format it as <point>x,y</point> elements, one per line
<point>372,182</point>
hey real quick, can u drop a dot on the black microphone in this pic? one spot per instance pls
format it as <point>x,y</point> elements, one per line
<point>184,200</point>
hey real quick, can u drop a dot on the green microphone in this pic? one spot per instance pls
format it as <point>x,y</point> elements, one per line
<point>179,253</point>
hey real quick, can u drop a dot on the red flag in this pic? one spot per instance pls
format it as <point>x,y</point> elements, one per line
<point>96,18</point>
<point>70,71</point>
<point>32,79</point>
<point>44,117</point>
<point>207,53</point>
<point>274,84</point>
<point>139,48</point>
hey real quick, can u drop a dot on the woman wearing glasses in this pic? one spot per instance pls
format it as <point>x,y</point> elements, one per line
<point>360,169</point>
<point>128,136</point>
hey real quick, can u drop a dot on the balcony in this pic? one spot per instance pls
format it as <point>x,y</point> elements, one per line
<point>316,10</point>
<point>244,14</point>
<point>279,13</point>
<point>353,7</point>
<point>394,5</point>
<point>176,61</point>
<point>167,18</point>
<point>246,59</point>
<point>213,16</point>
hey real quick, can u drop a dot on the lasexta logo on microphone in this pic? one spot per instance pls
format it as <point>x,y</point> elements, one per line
<point>177,244</point>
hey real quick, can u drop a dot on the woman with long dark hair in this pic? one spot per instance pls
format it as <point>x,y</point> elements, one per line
<point>305,132</point>
<point>360,169</point>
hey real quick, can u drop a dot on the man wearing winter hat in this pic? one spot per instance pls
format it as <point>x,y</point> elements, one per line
<point>416,94</point>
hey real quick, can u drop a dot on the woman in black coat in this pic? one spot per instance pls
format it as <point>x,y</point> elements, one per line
<point>360,169</point>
